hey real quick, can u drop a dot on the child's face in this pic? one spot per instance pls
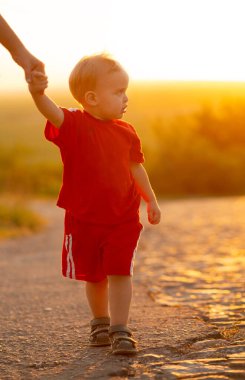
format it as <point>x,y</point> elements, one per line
<point>111,95</point>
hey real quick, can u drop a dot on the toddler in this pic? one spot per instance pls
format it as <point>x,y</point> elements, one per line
<point>103,182</point>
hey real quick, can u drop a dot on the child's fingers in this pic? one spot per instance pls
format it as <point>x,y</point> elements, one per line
<point>43,82</point>
<point>154,217</point>
<point>151,216</point>
<point>38,77</point>
<point>36,87</point>
<point>38,74</point>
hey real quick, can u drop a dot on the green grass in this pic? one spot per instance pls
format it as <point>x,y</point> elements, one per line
<point>16,219</point>
<point>193,138</point>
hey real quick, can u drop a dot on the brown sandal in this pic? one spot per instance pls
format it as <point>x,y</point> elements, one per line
<point>99,335</point>
<point>122,341</point>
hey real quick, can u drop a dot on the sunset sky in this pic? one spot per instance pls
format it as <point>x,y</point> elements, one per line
<point>154,39</point>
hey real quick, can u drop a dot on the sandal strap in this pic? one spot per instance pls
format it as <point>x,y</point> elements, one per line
<point>100,321</point>
<point>119,329</point>
<point>99,330</point>
<point>119,338</point>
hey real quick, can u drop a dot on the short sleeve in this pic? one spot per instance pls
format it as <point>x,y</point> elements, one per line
<point>136,154</point>
<point>60,136</point>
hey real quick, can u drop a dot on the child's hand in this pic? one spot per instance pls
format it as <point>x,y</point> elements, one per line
<point>154,212</point>
<point>37,83</point>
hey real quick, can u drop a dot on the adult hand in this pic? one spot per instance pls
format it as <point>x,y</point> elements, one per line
<point>19,53</point>
<point>28,62</point>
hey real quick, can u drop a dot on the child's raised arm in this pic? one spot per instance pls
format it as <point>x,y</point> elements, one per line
<point>37,85</point>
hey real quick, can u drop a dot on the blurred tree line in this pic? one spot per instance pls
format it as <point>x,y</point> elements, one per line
<point>194,155</point>
<point>197,155</point>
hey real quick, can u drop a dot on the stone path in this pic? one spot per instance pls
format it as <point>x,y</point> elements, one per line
<point>187,311</point>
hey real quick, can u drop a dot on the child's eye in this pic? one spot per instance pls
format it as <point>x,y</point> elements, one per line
<point>120,92</point>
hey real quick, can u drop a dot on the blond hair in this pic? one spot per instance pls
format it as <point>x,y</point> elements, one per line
<point>85,74</point>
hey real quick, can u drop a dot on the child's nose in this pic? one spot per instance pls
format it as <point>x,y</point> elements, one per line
<point>125,98</point>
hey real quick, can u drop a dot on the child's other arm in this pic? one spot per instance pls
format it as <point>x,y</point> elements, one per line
<point>142,181</point>
<point>45,105</point>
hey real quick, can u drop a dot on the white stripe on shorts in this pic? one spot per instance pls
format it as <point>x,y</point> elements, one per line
<point>70,271</point>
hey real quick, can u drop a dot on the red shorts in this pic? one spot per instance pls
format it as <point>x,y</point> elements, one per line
<point>92,252</point>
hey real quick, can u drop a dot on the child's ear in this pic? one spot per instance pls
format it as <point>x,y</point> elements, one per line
<point>91,98</point>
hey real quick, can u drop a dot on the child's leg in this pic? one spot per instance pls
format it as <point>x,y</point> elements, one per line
<point>120,295</point>
<point>97,295</point>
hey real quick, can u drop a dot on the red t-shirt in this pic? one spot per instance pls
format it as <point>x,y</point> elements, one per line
<point>97,183</point>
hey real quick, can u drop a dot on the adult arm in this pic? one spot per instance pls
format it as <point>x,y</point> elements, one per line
<point>19,53</point>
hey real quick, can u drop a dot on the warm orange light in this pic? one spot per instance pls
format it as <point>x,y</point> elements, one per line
<point>159,39</point>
